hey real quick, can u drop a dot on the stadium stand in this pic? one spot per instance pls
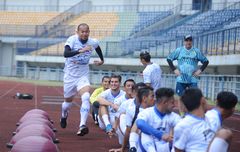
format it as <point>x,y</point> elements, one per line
<point>26,18</point>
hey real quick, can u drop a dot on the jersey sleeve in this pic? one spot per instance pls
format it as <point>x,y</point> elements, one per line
<point>180,137</point>
<point>129,117</point>
<point>175,119</point>
<point>104,94</point>
<point>146,76</point>
<point>70,42</point>
<point>95,94</point>
<point>95,43</point>
<point>174,55</point>
<point>201,57</point>
<point>213,122</point>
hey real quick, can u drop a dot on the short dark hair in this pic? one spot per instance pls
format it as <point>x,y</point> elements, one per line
<point>128,80</point>
<point>137,86</point>
<point>143,92</point>
<point>163,92</point>
<point>117,76</point>
<point>82,24</point>
<point>105,77</point>
<point>226,100</point>
<point>145,56</point>
<point>191,98</point>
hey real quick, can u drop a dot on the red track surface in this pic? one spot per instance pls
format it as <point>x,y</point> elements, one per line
<point>96,141</point>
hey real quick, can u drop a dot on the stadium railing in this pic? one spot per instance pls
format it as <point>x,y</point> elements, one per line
<point>209,84</point>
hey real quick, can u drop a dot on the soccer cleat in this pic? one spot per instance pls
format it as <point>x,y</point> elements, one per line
<point>63,122</point>
<point>132,149</point>
<point>83,130</point>
<point>109,128</point>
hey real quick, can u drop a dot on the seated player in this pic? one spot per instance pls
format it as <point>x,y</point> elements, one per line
<point>93,98</point>
<point>144,99</point>
<point>193,133</point>
<point>121,103</point>
<point>226,102</point>
<point>156,123</point>
<point>107,108</point>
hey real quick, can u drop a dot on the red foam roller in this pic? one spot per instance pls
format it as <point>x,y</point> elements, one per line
<point>34,144</point>
<point>38,111</point>
<point>35,121</point>
<point>31,116</point>
<point>40,128</point>
<point>29,132</point>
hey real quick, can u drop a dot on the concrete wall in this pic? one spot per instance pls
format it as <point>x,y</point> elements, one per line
<point>7,58</point>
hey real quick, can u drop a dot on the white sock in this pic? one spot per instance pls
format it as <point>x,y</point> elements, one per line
<point>133,139</point>
<point>219,145</point>
<point>84,110</point>
<point>105,119</point>
<point>65,108</point>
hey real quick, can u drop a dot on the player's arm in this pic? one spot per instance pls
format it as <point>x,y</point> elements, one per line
<point>69,53</point>
<point>173,56</point>
<point>126,138</point>
<point>204,62</point>
<point>104,102</point>
<point>99,52</point>
<point>147,129</point>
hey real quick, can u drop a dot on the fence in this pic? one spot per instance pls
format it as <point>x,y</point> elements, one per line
<point>209,84</point>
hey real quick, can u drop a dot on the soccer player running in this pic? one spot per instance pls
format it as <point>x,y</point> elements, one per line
<point>194,132</point>
<point>78,49</point>
<point>187,71</point>
<point>108,109</point>
<point>156,123</point>
<point>94,96</point>
<point>152,72</point>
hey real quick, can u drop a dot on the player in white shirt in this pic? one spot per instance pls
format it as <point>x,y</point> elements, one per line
<point>122,103</point>
<point>194,133</point>
<point>108,109</point>
<point>225,107</point>
<point>156,123</point>
<point>78,49</point>
<point>144,98</point>
<point>152,72</point>
<point>226,102</point>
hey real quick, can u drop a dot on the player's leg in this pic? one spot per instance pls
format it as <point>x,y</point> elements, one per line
<point>221,141</point>
<point>121,128</point>
<point>84,110</point>
<point>180,88</point>
<point>95,108</point>
<point>104,116</point>
<point>69,90</point>
<point>134,138</point>
<point>147,142</point>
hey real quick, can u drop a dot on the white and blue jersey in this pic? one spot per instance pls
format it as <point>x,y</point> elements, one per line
<point>215,119</point>
<point>77,65</point>
<point>107,95</point>
<point>187,63</point>
<point>163,123</point>
<point>193,134</point>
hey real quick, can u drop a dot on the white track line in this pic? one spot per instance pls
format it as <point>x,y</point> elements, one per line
<point>35,92</point>
<point>8,91</point>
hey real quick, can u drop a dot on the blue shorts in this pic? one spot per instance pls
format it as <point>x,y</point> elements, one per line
<point>181,87</point>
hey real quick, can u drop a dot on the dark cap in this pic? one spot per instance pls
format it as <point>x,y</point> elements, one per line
<point>188,37</point>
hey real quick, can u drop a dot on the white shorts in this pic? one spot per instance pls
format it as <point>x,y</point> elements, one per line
<point>72,85</point>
